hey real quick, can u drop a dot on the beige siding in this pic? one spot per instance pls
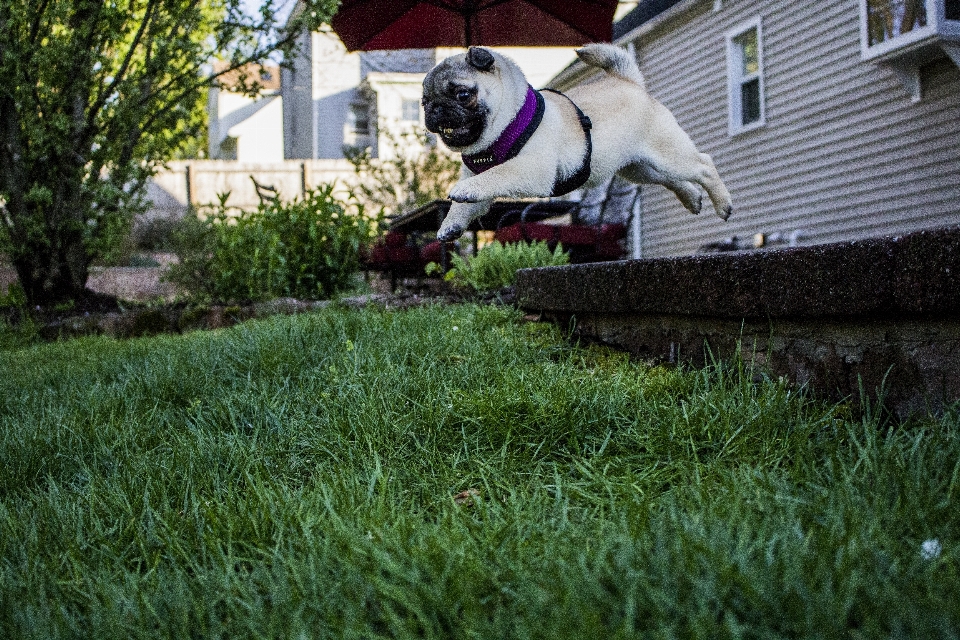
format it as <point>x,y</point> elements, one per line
<point>844,152</point>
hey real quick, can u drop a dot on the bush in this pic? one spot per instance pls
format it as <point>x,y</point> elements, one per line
<point>415,172</point>
<point>156,234</point>
<point>308,248</point>
<point>496,265</point>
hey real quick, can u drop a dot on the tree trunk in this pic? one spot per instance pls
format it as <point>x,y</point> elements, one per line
<point>52,266</point>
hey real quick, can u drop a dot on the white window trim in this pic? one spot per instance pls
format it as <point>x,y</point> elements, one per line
<point>904,41</point>
<point>905,53</point>
<point>735,80</point>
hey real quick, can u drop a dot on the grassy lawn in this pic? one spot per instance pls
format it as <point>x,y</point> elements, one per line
<point>296,477</point>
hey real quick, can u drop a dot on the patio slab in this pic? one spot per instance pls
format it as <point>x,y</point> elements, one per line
<point>872,314</point>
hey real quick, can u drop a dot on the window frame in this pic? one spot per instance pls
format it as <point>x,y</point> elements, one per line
<point>937,28</point>
<point>905,40</point>
<point>736,79</point>
<point>406,102</point>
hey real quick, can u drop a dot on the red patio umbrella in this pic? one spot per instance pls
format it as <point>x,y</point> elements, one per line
<point>370,25</point>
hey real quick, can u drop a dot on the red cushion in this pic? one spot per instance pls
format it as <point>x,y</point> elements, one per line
<point>577,235</point>
<point>433,252</point>
<point>609,250</point>
<point>395,239</point>
<point>399,256</point>
<point>506,235</point>
<point>379,257</point>
<point>611,232</point>
<point>540,232</point>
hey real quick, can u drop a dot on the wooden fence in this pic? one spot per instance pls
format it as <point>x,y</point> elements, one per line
<point>200,182</point>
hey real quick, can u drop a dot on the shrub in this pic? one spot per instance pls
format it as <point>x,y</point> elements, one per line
<point>308,248</point>
<point>496,265</point>
<point>155,234</point>
<point>415,172</point>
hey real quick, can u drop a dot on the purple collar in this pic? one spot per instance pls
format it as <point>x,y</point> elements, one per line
<point>513,137</point>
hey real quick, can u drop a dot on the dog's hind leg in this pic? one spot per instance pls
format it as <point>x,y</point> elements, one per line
<point>710,180</point>
<point>687,192</point>
<point>681,172</point>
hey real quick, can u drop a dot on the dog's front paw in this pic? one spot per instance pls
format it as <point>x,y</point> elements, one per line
<point>463,193</point>
<point>449,232</point>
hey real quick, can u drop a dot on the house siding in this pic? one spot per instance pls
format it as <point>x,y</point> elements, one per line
<point>844,153</point>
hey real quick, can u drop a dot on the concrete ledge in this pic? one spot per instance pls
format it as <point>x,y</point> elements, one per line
<point>883,311</point>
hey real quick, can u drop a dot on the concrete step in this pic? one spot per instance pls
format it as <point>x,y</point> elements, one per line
<point>880,314</point>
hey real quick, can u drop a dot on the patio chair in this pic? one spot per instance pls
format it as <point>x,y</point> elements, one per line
<point>400,254</point>
<point>598,226</point>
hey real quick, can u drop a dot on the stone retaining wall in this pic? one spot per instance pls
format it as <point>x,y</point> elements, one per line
<point>868,314</point>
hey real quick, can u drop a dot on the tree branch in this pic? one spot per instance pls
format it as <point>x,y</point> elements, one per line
<point>255,56</point>
<point>35,27</point>
<point>118,77</point>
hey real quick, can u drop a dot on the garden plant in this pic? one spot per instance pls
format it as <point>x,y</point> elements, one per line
<point>495,266</point>
<point>456,472</point>
<point>306,248</point>
<point>411,171</point>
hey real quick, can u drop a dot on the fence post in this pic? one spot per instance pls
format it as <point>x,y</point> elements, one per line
<point>189,186</point>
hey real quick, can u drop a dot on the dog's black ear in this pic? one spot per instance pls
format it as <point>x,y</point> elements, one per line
<point>480,58</point>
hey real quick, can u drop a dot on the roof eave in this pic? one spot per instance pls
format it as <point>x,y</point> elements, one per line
<point>298,8</point>
<point>578,71</point>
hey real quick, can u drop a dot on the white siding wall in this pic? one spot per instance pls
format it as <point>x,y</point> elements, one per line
<point>256,124</point>
<point>844,153</point>
<point>336,75</point>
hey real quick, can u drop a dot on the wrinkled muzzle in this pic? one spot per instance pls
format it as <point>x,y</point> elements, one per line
<point>457,127</point>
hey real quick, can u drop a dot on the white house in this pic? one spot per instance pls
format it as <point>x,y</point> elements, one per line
<point>244,128</point>
<point>828,121</point>
<point>333,98</point>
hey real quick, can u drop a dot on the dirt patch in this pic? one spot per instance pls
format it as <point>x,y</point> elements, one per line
<point>103,314</point>
<point>135,284</point>
<point>127,302</point>
<point>180,318</point>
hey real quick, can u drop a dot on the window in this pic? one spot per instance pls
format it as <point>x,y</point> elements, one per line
<point>228,148</point>
<point>411,110</point>
<point>358,119</point>
<point>905,34</point>
<point>891,26</point>
<point>951,10</point>
<point>745,73</point>
<point>889,19</point>
<point>357,129</point>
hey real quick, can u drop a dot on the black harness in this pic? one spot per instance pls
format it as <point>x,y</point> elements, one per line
<point>518,134</point>
<point>577,179</point>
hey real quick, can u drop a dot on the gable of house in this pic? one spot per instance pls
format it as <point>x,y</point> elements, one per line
<point>243,127</point>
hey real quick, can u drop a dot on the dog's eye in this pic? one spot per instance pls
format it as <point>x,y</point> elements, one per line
<point>463,95</point>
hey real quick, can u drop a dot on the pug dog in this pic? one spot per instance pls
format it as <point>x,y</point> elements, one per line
<point>516,142</point>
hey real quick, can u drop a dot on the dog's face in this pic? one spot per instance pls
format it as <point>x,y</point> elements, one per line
<point>458,96</point>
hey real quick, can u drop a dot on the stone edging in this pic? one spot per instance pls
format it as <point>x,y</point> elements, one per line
<point>881,316</point>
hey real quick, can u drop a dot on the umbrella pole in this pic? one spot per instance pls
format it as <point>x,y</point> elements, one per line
<point>469,10</point>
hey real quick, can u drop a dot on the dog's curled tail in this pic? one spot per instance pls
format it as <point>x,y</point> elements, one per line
<point>613,60</point>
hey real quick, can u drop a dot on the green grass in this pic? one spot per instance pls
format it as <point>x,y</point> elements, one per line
<point>295,477</point>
